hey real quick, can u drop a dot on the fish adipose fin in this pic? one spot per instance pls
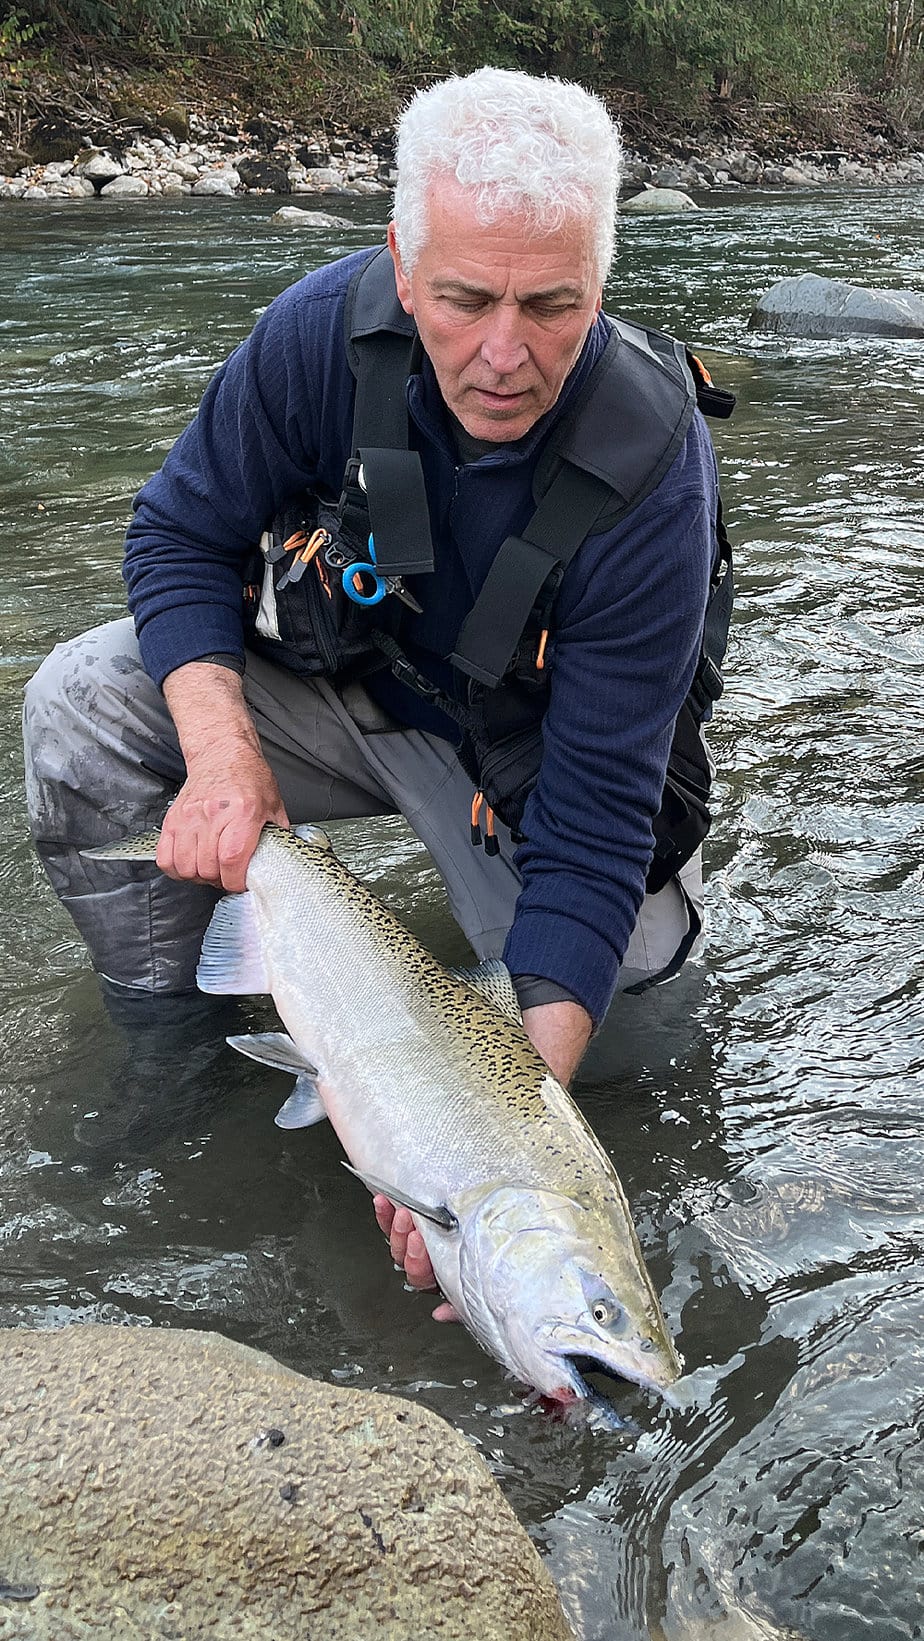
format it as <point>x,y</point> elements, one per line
<point>304,1106</point>
<point>492,980</point>
<point>232,957</point>
<point>437,1213</point>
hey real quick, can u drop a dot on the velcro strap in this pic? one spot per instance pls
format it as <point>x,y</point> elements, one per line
<point>398,511</point>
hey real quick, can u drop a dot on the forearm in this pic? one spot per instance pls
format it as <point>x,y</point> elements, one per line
<point>207,705</point>
<point>560,1032</point>
<point>212,828</point>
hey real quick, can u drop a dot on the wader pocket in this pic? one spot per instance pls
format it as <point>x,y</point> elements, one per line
<point>296,612</point>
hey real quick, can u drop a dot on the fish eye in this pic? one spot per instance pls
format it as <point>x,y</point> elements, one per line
<point>603,1313</point>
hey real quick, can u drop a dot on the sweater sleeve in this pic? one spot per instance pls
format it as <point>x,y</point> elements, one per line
<point>254,443</point>
<point>629,625</point>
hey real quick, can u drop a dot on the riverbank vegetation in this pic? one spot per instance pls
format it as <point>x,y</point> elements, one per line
<point>356,60</point>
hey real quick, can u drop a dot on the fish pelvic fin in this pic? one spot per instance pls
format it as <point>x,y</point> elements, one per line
<point>436,1213</point>
<point>232,961</point>
<point>303,1108</point>
<point>272,1048</point>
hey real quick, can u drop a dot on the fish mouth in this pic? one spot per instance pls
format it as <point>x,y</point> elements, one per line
<point>580,1364</point>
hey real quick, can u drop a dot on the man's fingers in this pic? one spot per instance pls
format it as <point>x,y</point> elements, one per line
<point>236,844</point>
<point>408,1248</point>
<point>417,1267</point>
<point>446,1313</point>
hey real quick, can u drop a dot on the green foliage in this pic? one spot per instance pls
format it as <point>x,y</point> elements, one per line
<point>17,34</point>
<point>775,48</point>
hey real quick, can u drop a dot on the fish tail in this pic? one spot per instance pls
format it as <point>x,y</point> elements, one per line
<point>143,846</point>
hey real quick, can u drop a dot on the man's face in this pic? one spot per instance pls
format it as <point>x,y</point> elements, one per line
<point>502,313</point>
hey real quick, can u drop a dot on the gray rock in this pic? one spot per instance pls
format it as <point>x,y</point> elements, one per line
<point>812,306</point>
<point>217,182</point>
<point>124,188</point>
<point>668,176</point>
<point>324,176</point>
<point>653,200</point>
<point>159,1483</point>
<point>99,170</point>
<point>71,188</point>
<point>308,219</point>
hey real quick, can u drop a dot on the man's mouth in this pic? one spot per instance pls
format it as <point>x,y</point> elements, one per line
<point>500,399</point>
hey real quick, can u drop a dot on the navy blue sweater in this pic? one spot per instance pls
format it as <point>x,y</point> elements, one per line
<point>277,418</point>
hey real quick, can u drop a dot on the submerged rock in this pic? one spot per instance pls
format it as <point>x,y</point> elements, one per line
<point>159,1483</point>
<point>308,219</point>
<point>654,200</point>
<point>812,306</point>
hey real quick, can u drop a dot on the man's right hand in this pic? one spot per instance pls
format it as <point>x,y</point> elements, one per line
<point>213,826</point>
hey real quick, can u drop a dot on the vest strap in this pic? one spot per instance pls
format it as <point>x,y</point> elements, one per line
<point>523,565</point>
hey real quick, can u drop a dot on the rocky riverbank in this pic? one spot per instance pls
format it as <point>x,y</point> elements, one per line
<point>118,154</point>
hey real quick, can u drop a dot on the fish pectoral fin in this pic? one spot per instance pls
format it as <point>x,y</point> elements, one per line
<point>272,1048</point>
<point>437,1213</point>
<point>232,961</point>
<point>303,1108</point>
<point>492,980</point>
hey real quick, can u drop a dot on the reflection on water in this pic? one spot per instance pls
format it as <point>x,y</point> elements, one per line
<point>764,1111</point>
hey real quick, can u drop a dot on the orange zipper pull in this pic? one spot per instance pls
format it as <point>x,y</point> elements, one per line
<point>477,803</point>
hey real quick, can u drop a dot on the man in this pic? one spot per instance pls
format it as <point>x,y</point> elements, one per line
<point>502,236</point>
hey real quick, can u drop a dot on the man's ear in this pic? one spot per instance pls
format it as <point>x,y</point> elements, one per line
<point>402,283</point>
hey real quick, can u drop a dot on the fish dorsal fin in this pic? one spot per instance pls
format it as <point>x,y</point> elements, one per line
<point>492,980</point>
<point>272,1048</point>
<point>315,835</point>
<point>232,952</point>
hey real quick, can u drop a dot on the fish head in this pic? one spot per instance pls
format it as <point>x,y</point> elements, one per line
<point>557,1287</point>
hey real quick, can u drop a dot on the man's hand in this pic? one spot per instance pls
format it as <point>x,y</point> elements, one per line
<point>409,1252</point>
<point>560,1032</point>
<point>212,828</point>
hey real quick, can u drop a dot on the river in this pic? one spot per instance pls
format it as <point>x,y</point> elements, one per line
<point>764,1111</point>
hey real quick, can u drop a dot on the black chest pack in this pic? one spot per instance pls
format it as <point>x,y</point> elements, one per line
<point>326,593</point>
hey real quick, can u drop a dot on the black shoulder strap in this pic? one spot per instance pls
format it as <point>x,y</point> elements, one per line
<point>384,483</point>
<point>610,452</point>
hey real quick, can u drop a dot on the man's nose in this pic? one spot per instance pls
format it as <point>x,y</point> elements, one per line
<point>503,346</point>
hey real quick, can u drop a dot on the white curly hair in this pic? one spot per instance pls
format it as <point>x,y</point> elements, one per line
<point>521,144</point>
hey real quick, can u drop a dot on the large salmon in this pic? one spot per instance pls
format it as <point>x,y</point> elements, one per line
<point>442,1103</point>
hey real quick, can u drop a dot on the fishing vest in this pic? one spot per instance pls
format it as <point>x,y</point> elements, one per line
<point>609,451</point>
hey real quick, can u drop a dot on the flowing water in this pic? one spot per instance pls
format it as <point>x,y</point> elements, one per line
<point>765,1111</point>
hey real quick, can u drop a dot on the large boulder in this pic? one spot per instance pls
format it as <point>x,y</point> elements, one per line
<point>297,218</point>
<point>812,306</point>
<point>165,1484</point>
<point>269,174</point>
<point>653,200</point>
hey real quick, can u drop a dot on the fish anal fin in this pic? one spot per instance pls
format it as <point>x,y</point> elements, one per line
<point>232,961</point>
